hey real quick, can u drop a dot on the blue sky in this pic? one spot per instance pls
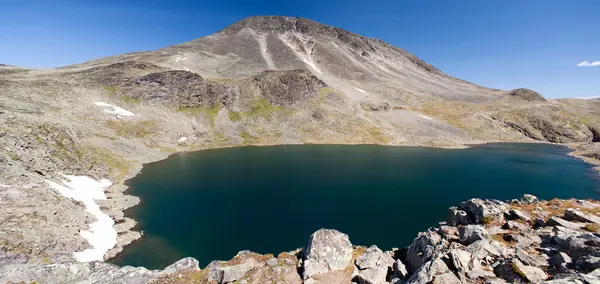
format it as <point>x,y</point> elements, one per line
<point>506,44</point>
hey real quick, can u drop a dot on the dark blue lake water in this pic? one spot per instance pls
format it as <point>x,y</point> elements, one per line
<point>212,204</point>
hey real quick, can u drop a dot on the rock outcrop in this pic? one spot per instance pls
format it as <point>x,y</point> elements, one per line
<point>565,249</point>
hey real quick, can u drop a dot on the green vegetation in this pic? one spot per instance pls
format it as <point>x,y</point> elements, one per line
<point>111,89</point>
<point>234,116</point>
<point>118,166</point>
<point>133,129</point>
<point>131,100</point>
<point>594,228</point>
<point>13,156</point>
<point>195,111</point>
<point>487,220</point>
<point>518,271</point>
<point>248,138</point>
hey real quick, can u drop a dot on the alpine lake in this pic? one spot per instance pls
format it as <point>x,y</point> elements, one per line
<point>211,204</point>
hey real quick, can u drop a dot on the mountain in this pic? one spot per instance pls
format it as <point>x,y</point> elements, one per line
<point>260,81</point>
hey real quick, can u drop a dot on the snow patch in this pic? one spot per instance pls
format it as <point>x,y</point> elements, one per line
<point>182,139</point>
<point>425,117</point>
<point>4,185</point>
<point>114,109</point>
<point>101,236</point>
<point>360,90</point>
<point>180,59</point>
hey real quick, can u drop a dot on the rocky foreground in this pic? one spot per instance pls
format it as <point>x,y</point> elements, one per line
<point>482,241</point>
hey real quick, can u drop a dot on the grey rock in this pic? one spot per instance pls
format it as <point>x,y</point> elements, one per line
<point>514,225</point>
<point>480,211</point>
<point>182,265</point>
<point>557,221</point>
<point>529,199</point>
<point>530,273</point>
<point>272,262</point>
<point>480,274</point>
<point>519,215</point>
<point>576,215</point>
<point>400,269</point>
<point>457,217</point>
<point>327,250</point>
<point>423,249</point>
<point>560,259</point>
<point>428,271</point>
<point>482,249</point>
<point>446,278</point>
<point>374,266</point>
<point>577,244</point>
<point>529,259</point>
<point>495,281</point>
<point>587,263</point>
<point>228,274</point>
<point>460,259</point>
<point>472,233</point>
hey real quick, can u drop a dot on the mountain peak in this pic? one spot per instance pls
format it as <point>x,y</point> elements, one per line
<point>276,24</point>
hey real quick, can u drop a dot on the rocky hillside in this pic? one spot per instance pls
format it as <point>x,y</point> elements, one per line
<point>261,81</point>
<point>482,241</point>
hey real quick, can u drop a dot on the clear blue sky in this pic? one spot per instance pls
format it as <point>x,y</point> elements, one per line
<point>503,44</point>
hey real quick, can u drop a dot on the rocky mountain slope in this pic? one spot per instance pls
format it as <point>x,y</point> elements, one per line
<point>482,241</point>
<point>261,81</point>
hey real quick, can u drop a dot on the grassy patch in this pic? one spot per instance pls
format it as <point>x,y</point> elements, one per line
<point>195,111</point>
<point>111,89</point>
<point>131,100</point>
<point>248,138</point>
<point>132,129</point>
<point>234,116</point>
<point>264,108</point>
<point>118,166</point>
<point>594,228</point>
<point>13,156</point>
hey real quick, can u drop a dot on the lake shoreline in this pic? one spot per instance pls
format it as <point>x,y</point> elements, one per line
<point>115,251</point>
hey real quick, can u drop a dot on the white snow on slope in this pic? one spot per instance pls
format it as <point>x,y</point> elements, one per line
<point>360,90</point>
<point>114,109</point>
<point>425,117</point>
<point>101,236</point>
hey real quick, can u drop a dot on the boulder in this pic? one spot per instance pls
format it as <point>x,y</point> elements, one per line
<point>516,214</point>
<point>460,259</point>
<point>531,259</point>
<point>482,249</point>
<point>183,265</point>
<point>577,244</point>
<point>560,259</point>
<point>530,273</point>
<point>423,249</point>
<point>446,278</point>
<point>428,271</point>
<point>327,250</point>
<point>557,221</point>
<point>228,274</point>
<point>472,233</point>
<point>587,263</point>
<point>480,274</point>
<point>514,225</point>
<point>399,269</point>
<point>484,211</point>
<point>578,216</point>
<point>529,199</point>
<point>457,217</point>
<point>374,266</point>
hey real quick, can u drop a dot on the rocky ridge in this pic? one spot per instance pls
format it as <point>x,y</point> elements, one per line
<point>482,241</point>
